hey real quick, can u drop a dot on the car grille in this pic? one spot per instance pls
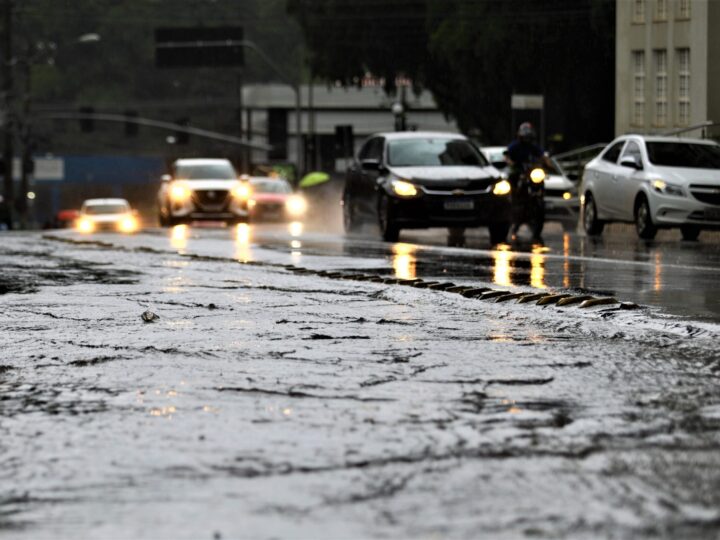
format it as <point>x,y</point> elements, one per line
<point>554,192</point>
<point>211,199</point>
<point>270,207</point>
<point>706,194</point>
<point>449,186</point>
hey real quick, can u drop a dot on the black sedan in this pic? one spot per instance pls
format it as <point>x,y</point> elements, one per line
<point>416,180</point>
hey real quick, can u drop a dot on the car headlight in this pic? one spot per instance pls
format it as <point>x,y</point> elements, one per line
<point>180,192</point>
<point>85,225</point>
<point>401,188</point>
<point>537,176</point>
<point>241,191</point>
<point>128,224</point>
<point>667,189</point>
<point>503,187</point>
<point>568,195</point>
<point>296,205</point>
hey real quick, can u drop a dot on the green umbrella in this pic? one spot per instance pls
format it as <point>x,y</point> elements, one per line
<point>313,179</point>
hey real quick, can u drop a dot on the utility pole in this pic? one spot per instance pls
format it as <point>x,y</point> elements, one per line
<point>7,86</point>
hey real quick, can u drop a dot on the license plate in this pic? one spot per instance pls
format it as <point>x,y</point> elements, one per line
<point>712,214</point>
<point>462,204</point>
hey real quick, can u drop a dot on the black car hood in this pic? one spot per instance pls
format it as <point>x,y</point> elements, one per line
<point>462,177</point>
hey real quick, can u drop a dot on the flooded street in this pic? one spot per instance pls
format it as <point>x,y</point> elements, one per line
<point>258,399</point>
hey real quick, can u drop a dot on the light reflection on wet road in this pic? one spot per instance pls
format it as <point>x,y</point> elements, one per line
<point>678,276</point>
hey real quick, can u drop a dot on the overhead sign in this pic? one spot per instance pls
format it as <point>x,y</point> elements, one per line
<point>220,46</point>
<point>527,101</point>
<point>47,168</point>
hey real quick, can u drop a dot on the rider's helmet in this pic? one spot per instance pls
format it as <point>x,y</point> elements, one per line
<point>526,132</point>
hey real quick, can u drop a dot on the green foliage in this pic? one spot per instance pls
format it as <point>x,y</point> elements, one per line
<point>473,54</point>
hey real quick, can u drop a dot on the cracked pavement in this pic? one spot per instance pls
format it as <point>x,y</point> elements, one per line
<point>266,404</point>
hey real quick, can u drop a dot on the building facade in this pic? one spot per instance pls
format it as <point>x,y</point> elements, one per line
<point>667,57</point>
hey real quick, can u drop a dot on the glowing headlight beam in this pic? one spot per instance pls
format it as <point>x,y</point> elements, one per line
<point>296,205</point>
<point>180,192</point>
<point>404,189</point>
<point>537,176</point>
<point>502,188</point>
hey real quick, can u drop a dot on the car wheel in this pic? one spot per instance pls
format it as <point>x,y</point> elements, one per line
<point>350,221</point>
<point>498,232</point>
<point>644,225</point>
<point>593,226</point>
<point>388,228</point>
<point>690,232</point>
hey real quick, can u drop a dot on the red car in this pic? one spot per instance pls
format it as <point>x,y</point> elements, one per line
<point>273,199</point>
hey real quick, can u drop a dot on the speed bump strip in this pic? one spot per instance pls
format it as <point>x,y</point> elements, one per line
<point>409,282</point>
<point>441,286</point>
<point>458,289</point>
<point>424,284</point>
<point>573,300</point>
<point>475,292</point>
<point>532,297</point>
<point>493,294</point>
<point>597,302</point>
<point>551,299</point>
<point>511,296</point>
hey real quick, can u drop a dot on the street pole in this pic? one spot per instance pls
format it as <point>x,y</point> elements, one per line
<point>298,104</point>
<point>7,75</point>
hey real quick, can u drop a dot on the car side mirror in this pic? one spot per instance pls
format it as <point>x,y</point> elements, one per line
<point>631,162</point>
<point>370,164</point>
<point>165,178</point>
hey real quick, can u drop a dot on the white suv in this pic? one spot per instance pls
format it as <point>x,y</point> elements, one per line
<point>202,189</point>
<point>655,182</point>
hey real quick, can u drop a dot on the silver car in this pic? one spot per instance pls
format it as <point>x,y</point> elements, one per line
<point>202,189</point>
<point>654,182</point>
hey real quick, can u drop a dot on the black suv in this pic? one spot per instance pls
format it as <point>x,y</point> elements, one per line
<point>416,180</point>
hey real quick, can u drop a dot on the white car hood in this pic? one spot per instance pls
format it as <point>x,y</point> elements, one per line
<point>686,176</point>
<point>446,173</point>
<point>556,181</point>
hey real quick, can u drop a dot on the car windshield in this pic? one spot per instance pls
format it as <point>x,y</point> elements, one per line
<point>215,171</point>
<point>271,186</point>
<point>433,152</point>
<point>679,154</point>
<point>96,209</point>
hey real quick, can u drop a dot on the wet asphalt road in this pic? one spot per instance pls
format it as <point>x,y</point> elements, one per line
<point>680,277</point>
<point>268,404</point>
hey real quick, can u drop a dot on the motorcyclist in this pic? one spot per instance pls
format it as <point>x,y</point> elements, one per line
<point>521,154</point>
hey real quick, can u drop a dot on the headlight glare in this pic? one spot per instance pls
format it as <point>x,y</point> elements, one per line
<point>241,191</point>
<point>85,225</point>
<point>296,205</point>
<point>179,192</point>
<point>128,224</point>
<point>503,187</point>
<point>537,176</point>
<point>404,189</point>
<point>663,187</point>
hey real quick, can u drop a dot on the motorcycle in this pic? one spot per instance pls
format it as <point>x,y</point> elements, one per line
<point>528,200</point>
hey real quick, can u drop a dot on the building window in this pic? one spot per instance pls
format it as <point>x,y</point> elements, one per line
<point>683,63</point>
<point>638,14</point>
<point>684,9</point>
<point>638,111</point>
<point>660,10</point>
<point>661,88</point>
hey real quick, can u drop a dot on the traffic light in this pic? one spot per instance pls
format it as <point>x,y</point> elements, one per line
<point>131,127</point>
<point>182,137</point>
<point>87,124</point>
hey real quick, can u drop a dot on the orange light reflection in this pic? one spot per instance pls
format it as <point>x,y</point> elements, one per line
<point>178,236</point>
<point>501,269</point>
<point>243,253</point>
<point>404,260</point>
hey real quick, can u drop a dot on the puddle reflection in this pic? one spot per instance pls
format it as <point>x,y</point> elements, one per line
<point>243,236</point>
<point>658,281</point>
<point>537,267</point>
<point>501,265</point>
<point>404,260</point>
<point>179,236</point>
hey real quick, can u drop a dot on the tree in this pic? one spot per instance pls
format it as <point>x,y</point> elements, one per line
<point>473,54</point>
